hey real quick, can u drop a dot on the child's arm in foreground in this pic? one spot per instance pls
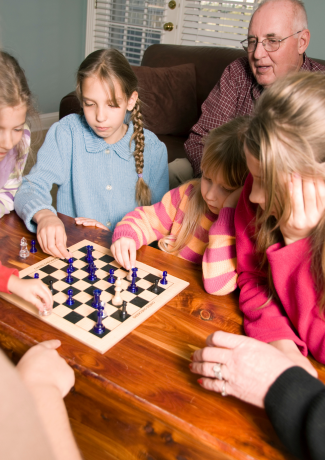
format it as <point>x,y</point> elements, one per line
<point>219,259</point>
<point>145,225</point>
<point>49,379</point>
<point>34,291</point>
<point>33,201</point>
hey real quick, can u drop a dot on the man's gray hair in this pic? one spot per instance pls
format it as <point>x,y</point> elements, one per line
<point>300,13</point>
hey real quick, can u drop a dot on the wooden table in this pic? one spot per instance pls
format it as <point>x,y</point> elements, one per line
<point>139,400</point>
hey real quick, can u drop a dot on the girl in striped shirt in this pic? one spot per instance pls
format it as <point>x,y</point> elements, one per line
<point>196,220</point>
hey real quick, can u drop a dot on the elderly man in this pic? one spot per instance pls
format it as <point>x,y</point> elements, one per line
<point>277,40</point>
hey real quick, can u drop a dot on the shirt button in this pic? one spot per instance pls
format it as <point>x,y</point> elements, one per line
<point>108,224</point>
<point>107,151</point>
<point>108,187</point>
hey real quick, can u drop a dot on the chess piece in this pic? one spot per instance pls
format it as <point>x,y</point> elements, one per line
<point>117,299</point>
<point>51,286</point>
<point>96,301</point>
<point>33,247</point>
<point>129,275</point>
<point>156,287</point>
<point>70,300</point>
<point>69,278</point>
<point>111,278</point>
<point>133,287</point>
<point>164,280</point>
<point>104,313</point>
<point>99,327</point>
<point>89,257</point>
<point>36,276</point>
<point>23,253</point>
<point>71,265</point>
<point>123,312</point>
<point>92,275</point>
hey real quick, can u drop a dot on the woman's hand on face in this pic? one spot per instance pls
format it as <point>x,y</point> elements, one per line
<point>248,366</point>
<point>51,234</point>
<point>90,223</point>
<point>232,199</point>
<point>308,205</point>
<point>124,252</point>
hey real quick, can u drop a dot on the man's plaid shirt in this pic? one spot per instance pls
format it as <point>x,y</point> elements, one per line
<point>234,95</point>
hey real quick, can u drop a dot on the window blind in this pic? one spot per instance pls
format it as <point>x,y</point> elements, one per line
<point>129,26</point>
<point>220,23</point>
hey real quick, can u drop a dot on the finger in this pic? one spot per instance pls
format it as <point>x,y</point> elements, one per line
<point>309,197</point>
<point>102,226</point>
<point>207,369</point>
<point>225,340</point>
<point>212,355</point>
<point>215,385</point>
<point>126,256</point>
<point>51,344</point>
<point>113,250</point>
<point>298,207</point>
<point>46,296</point>
<point>41,238</point>
<point>60,240</point>
<point>133,255</point>
<point>320,195</point>
<point>118,255</point>
<point>51,243</point>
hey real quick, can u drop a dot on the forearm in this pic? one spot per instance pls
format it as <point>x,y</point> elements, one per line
<point>55,421</point>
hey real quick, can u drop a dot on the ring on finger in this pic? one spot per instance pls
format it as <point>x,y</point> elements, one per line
<point>217,371</point>
<point>223,390</point>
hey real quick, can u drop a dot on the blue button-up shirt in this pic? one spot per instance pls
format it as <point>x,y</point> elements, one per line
<point>95,179</point>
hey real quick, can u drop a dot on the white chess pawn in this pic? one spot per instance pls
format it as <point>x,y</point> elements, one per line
<point>129,275</point>
<point>117,299</point>
<point>23,253</point>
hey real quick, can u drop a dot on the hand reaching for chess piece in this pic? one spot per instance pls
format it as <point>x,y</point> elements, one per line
<point>33,291</point>
<point>124,252</point>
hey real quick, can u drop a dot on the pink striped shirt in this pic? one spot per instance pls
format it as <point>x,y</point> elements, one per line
<point>212,245</point>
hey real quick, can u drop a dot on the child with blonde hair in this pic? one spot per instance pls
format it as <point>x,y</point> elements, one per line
<point>280,220</point>
<point>103,161</point>
<point>196,220</point>
<point>16,105</point>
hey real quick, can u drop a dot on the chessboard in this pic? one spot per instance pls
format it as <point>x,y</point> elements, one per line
<point>79,319</point>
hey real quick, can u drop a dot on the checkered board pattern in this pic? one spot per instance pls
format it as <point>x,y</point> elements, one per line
<point>79,319</point>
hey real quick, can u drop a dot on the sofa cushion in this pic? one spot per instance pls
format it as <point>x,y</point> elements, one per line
<point>168,96</point>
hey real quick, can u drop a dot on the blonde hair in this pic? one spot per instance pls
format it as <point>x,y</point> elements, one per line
<point>109,65</point>
<point>14,90</point>
<point>286,134</point>
<point>223,149</point>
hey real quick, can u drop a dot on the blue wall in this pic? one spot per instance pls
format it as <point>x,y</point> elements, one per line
<point>48,39</point>
<point>316,16</point>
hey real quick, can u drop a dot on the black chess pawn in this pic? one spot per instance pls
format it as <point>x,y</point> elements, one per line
<point>51,286</point>
<point>123,312</point>
<point>70,300</point>
<point>33,247</point>
<point>69,278</point>
<point>111,278</point>
<point>156,287</point>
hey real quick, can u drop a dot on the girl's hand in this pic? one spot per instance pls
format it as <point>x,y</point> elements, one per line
<point>33,291</point>
<point>124,252</point>
<point>248,366</point>
<point>308,204</point>
<point>41,365</point>
<point>290,349</point>
<point>90,223</point>
<point>51,234</point>
<point>232,199</point>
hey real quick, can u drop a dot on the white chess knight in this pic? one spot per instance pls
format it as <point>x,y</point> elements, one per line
<point>117,299</point>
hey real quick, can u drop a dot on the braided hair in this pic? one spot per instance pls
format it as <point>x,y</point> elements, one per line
<point>109,65</point>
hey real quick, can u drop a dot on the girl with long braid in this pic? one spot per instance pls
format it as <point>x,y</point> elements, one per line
<point>103,160</point>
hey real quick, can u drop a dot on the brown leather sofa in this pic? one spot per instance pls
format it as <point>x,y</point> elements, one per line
<point>174,81</point>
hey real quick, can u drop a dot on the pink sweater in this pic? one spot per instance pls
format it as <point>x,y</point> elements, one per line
<point>296,317</point>
<point>213,244</point>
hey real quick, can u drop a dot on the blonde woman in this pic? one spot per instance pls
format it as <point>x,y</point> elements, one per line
<point>280,221</point>
<point>196,220</point>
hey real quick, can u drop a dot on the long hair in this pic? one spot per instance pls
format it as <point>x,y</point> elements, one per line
<point>223,150</point>
<point>109,65</point>
<point>14,90</point>
<point>286,134</point>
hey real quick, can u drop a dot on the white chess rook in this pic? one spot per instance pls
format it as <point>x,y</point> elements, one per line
<point>117,299</point>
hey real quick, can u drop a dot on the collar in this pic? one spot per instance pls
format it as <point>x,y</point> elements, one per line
<point>95,144</point>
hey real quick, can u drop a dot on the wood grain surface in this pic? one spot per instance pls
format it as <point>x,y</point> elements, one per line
<point>139,400</point>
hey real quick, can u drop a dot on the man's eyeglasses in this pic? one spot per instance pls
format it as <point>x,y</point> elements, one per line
<point>270,44</point>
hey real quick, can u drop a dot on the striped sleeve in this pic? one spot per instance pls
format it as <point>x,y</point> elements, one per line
<point>219,259</point>
<point>151,223</point>
<point>5,274</point>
